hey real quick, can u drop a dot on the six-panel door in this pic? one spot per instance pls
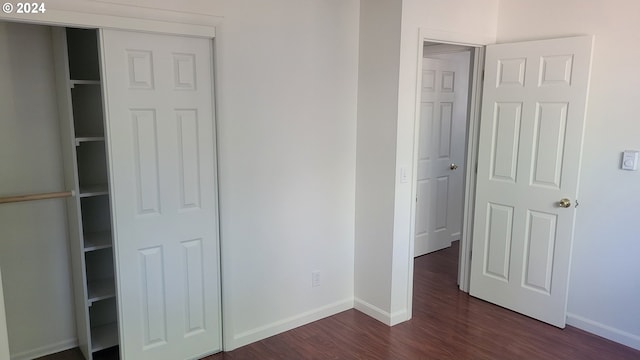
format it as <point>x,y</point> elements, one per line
<point>160,130</point>
<point>533,112</point>
<point>441,144</point>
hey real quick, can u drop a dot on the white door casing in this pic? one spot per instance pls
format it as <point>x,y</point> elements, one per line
<point>161,144</point>
<point>442,131</point>
<point>4,336</point>
<point>533,112</point>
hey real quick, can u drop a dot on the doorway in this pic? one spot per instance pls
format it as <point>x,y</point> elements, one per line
<point>444,156</point>
<point>534,152</point>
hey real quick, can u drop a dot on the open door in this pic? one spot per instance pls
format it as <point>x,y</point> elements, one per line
<point>442,133</point>
<point>533,112</point>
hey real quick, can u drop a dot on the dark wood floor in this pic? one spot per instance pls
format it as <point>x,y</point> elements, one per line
<point>446,324</point>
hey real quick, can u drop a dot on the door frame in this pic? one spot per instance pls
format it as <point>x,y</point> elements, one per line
<point>150,20</point>
<point>183,24</point>
<point>4,335</point>
<point>471,157</point>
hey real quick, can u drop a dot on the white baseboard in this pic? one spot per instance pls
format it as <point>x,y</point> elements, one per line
<point>46,350</point>
<point>375,312</point>
<point>398,317</point>
<point>287,324</point>
<point>605,331</point>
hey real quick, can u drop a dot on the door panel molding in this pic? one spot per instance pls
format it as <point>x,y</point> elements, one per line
<point>160,131</point>
<point>529,168</point>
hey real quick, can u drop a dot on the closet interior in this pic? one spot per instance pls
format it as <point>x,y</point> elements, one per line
<point>83,139</point>
<point>111,134</point>
<point>77,111</point>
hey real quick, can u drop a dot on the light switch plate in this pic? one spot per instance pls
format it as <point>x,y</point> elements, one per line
<point>404,176</point>
<point>630,160</point>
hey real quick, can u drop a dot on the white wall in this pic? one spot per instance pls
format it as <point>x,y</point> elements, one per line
<point>604,290</point>
<point>286,82</point>
<point>377,108</point>
<point>33,235</point>
<point>386,115</point>
<point>467,21</point>
<point>287,86</point>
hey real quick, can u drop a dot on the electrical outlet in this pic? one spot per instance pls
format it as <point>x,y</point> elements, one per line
<point>315,279</point>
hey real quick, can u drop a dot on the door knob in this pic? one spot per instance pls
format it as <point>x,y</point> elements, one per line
<point>453,166</point>
<point>564,203</point>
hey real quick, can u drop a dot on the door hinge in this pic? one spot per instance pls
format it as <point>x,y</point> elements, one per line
<point>482,78</point>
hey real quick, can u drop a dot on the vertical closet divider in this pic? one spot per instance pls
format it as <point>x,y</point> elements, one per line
<point>90,237</point>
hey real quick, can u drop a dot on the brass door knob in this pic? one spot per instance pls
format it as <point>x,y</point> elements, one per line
<point>564,203</point>
<point>453,166</point>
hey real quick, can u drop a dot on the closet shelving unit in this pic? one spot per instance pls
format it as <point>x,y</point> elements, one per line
<point>91,242</point>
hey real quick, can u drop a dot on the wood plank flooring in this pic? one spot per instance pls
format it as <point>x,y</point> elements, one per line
<point>446,324</point>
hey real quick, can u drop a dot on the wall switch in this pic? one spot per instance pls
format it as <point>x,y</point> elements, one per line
<point>315,279</point>
<point>404,175</point>
<point>630,160</point>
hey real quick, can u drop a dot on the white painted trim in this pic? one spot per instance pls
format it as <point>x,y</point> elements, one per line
<point>604,331</point>
<point>473,133</point>
<point>216,191</point>
<point>152,21</point>
<point>399,317</point>
<point>280,326</point>
<point>372,310</point>
<point>46,350</point>
<point>389,319</point>
<point>414,185</point>
<point>464,263</point>
<point>4,335</point>
<point>454,38</point>
<point>444,49</point>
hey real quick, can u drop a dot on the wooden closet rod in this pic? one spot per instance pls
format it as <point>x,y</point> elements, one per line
<point>32,197</point>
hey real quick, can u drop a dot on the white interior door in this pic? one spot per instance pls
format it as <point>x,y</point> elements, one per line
<point>4,336</point>
<point>533,112</point>
<point>443,118</point>
<point>159,104</point>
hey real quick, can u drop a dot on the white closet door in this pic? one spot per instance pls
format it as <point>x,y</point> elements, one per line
<point>160,131</point>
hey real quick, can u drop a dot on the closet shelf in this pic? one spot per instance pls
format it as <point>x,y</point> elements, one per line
<point>104,337</point>
<point>93,190</point>
<point>81,139</point>
<point>84,139</point>
<point>101,289</point>
<point>84,82</point>
<point>97,240</point>
<point>88,135</point>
